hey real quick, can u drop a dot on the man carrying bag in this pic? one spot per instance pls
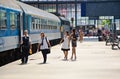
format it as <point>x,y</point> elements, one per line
<point>44,46</point>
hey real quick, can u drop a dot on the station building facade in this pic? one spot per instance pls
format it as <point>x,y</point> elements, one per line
<point>71,9</point>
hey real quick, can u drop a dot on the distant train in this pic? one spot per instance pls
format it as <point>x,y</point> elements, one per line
<point>15,17</point>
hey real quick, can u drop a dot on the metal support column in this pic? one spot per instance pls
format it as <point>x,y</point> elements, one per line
<point>57,6</point>
<point>38,4</point>
<point>75,13</point>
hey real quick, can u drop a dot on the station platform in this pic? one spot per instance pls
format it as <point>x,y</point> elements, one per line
<point>94,61</point>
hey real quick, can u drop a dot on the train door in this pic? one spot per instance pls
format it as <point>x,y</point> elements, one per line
<point>26,22</point>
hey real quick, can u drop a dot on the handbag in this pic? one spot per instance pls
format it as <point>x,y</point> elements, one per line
<point>47,51</point>
<point>30,51</point>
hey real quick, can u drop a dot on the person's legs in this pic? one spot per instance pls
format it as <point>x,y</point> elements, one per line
<point>23,56</point>
<point>22,59</point>
<point>66,55</point>
<point>75,53</point>
<point>44,56</point>
<point>26,59</point>
<point>26,55</point>
<point>72,53</point>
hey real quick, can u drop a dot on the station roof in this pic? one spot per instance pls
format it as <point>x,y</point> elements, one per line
<point>66,0</point>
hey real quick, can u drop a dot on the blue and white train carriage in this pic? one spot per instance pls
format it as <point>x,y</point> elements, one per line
<point>15,17</point>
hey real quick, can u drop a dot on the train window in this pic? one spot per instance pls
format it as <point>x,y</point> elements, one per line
<point>55,27</point>
<point>18,20</point>
<point>3,20</point>
<point>48,27</point>
<point>36,26</point>
<point>52,27</point>
<point>49,23</point>
<point>45,27</point>
<point>42,26</point>
<point>13,20</point>
<point>39,24</point>
<point>44,23</point>
<point>27,22</point>
<point>33,24</point>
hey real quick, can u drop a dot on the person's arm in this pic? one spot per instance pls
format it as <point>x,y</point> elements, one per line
<point>61,40</point>
<point>38,47</point>
<point>68,41</point>
<point>74,37</point>
<point>20,43</point>
<point>49,45</point>
<point>30,45</point>
<point>30,41</point>
<point>39,43</point>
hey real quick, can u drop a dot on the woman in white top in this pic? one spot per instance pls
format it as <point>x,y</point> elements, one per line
<point>43,45</point>
<point>66,44</point>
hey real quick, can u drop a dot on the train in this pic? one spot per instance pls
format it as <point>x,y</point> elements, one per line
<point>15,17</point>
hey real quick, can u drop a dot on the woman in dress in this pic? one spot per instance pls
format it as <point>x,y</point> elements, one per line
<point>74,44</point>
<point>81,35</point>
<point>66,44</point>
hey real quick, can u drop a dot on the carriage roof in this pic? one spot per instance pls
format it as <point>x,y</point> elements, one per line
<point>19,6</point>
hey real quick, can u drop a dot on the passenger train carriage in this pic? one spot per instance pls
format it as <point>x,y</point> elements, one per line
<point>15,17</point>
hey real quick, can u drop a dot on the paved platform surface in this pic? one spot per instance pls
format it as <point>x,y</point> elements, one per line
<point>94,61</point>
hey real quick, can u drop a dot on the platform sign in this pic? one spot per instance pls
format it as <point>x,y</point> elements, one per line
<point>101,8</point>
<point>117,17</point>
<point>93,18</point>
<point>106,17</point>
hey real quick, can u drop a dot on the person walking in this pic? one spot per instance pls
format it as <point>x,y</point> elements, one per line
<point>74,44</point>
<point>44,46</point>
<point>81,35</point>
<point>66,44</point>
<point>26,47</point>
